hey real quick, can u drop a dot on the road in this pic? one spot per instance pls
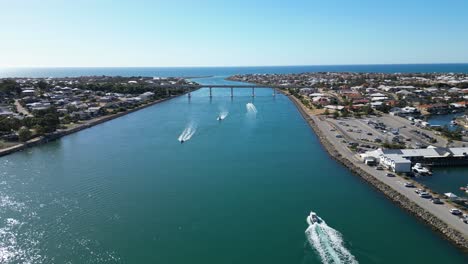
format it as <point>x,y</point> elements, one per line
<point>440,211</point>
<point>21,109</point>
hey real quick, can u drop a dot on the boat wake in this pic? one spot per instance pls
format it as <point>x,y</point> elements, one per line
<point>251,108</point>
<point>328,243</point>
<point>222,115</point>
<point>188,132</point>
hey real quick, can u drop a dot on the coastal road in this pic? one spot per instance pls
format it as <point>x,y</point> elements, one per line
<point>440,211</point>
<point>21,109</point>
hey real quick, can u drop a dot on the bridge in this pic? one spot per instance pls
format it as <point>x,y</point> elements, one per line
<point>190,88</point>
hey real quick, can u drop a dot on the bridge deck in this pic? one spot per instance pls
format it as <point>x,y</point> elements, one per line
<point>226,86</point>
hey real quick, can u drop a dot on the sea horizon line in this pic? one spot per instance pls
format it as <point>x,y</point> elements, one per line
<point>236,66</point>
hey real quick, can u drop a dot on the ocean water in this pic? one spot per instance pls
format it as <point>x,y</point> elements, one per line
<point>225,71</point>
<point>236,191</point>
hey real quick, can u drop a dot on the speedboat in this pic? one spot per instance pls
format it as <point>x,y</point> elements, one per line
<point>313,218</point>
<point>418,168</point>
<point>219,118</point>
<point>464,188</point>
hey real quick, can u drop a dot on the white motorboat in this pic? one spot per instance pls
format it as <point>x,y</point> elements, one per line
<point>418,168</point>
<point>313,218</point>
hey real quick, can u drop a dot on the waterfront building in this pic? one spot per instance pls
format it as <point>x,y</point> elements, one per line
<point>401,160</point>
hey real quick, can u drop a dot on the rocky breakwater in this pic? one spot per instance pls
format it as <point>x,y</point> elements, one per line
<point>435,223</point>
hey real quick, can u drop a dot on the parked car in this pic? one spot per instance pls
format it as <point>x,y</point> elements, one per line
<point>425,195</point>
<point>390,175</point>
<point>379,168</point>
<point>436,201</point>
<point>455,211</point>
<point>464,218</point>
<point>409,185</point>
<point>418,191</point>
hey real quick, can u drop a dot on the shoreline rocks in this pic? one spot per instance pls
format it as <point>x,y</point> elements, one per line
<point>402,201</point>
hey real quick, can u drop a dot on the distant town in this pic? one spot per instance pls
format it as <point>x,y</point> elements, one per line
<point>41,107</point>
<point>356,94</point>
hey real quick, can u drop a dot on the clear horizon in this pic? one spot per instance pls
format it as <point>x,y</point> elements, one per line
<point>180,33</point>
<point>239,66</point>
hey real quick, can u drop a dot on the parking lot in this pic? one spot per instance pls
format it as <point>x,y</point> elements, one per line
<point>404,186</point>
<point>392,129</point>
<point>417,134</point>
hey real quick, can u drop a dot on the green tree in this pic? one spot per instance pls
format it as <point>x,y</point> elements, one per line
<point>367,110</point>
<point>7,124</point>
<point>42,85</point>
<point>39,130</point>
<point>385,108</point>
<point>50,122</point>
<point>67,119</point>
<point>336,114</point>
<point>9,86</point>
<point>24,134</point>
<point>345,113</point>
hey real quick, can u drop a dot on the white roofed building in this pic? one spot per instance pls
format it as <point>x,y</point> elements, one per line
<point>400,160</point>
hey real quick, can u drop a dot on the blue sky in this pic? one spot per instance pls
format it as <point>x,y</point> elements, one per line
<point>231,33</point>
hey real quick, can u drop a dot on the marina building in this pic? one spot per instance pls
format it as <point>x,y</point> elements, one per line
<point>402,160</point>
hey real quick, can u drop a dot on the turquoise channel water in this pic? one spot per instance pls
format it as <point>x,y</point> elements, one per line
<point>236,191</point>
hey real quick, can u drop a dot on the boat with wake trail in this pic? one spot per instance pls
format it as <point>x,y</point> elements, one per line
<point>313,218</point>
